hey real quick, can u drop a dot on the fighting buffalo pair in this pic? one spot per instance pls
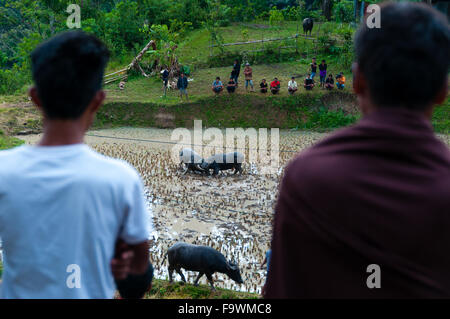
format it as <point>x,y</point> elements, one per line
<point>193,162</point>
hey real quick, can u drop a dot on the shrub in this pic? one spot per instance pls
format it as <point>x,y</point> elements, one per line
<point>291,13</point>
<point>325,119</point>
<point>343,11</point>
<point>12,80</point>
<point>328,45</point>
<point>275,17</point>
<point>244,34</point>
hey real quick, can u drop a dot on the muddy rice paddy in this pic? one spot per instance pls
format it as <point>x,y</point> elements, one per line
<point>230,213</point>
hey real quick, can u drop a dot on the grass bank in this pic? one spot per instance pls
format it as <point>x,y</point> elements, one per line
<point>19,118</point>
<point>8,142</point>
<point>313,111</point>
<point>162,289</point>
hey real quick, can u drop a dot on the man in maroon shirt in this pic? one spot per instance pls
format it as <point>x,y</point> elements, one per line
<point>366,212</point>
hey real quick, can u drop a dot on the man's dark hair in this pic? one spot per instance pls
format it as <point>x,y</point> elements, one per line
<point>405,62</point>
<point>68,71</point>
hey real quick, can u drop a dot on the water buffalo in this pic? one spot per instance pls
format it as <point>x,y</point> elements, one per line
<point>307,25</point>
<point>220,162</point>
<point>204,259</point>
<point>191,160</point>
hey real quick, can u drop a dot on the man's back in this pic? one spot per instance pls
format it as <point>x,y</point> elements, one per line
<point>377,193</point>
<point>182,82</point>
<point>62,208</point>
<point>248,73</point>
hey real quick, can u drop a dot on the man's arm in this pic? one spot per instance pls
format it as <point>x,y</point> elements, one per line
<point>264,262</point>
<point>132,241</point>
<point>129,259</point>
<point>132,270</point>
<point>140,259</point>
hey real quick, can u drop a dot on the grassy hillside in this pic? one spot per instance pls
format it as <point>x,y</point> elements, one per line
<point>195,49</point>
<point>140,89</point>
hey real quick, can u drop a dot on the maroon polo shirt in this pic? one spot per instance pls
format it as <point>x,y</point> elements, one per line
<point>375,193</point>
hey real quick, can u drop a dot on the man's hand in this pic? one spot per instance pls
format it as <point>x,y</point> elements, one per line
<point>121,263</point>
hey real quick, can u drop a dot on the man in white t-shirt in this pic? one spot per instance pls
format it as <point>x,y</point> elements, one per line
<point>73,222</point>
<point>292,86</point>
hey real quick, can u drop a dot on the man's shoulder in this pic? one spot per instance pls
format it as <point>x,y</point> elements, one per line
<point>11,155</point>
<point>113,167</point>
<point>322,159</point>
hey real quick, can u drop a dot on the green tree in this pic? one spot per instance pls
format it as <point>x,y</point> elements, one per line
<point>275,17</point>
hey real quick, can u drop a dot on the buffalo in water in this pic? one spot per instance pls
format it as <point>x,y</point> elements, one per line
<point>307,25</point>
<point>221,162</point>
<point>191,161</point>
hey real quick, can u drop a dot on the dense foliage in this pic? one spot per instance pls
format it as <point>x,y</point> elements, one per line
<point>125,25</point>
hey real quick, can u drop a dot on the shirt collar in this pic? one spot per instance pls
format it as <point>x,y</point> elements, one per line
<point>400,117</point>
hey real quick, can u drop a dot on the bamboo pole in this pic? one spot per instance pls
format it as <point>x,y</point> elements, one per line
<point>107,75</point>
<point>259,41</point>
<point>139,56</point>
<point>115,79</point>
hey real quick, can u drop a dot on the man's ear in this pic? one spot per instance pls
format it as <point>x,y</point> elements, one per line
<point>33,94</point>
<point>97,101</point>
<point>442,94</point>
<point>359,82</point>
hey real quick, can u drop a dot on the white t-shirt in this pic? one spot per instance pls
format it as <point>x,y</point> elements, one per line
<point>292,84</point>
<point>62,208</point>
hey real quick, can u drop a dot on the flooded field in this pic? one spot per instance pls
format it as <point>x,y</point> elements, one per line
<point>230,213</point>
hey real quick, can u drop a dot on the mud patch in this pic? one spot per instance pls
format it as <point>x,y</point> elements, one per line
<point>165,120</point>
<point>335,101</point>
